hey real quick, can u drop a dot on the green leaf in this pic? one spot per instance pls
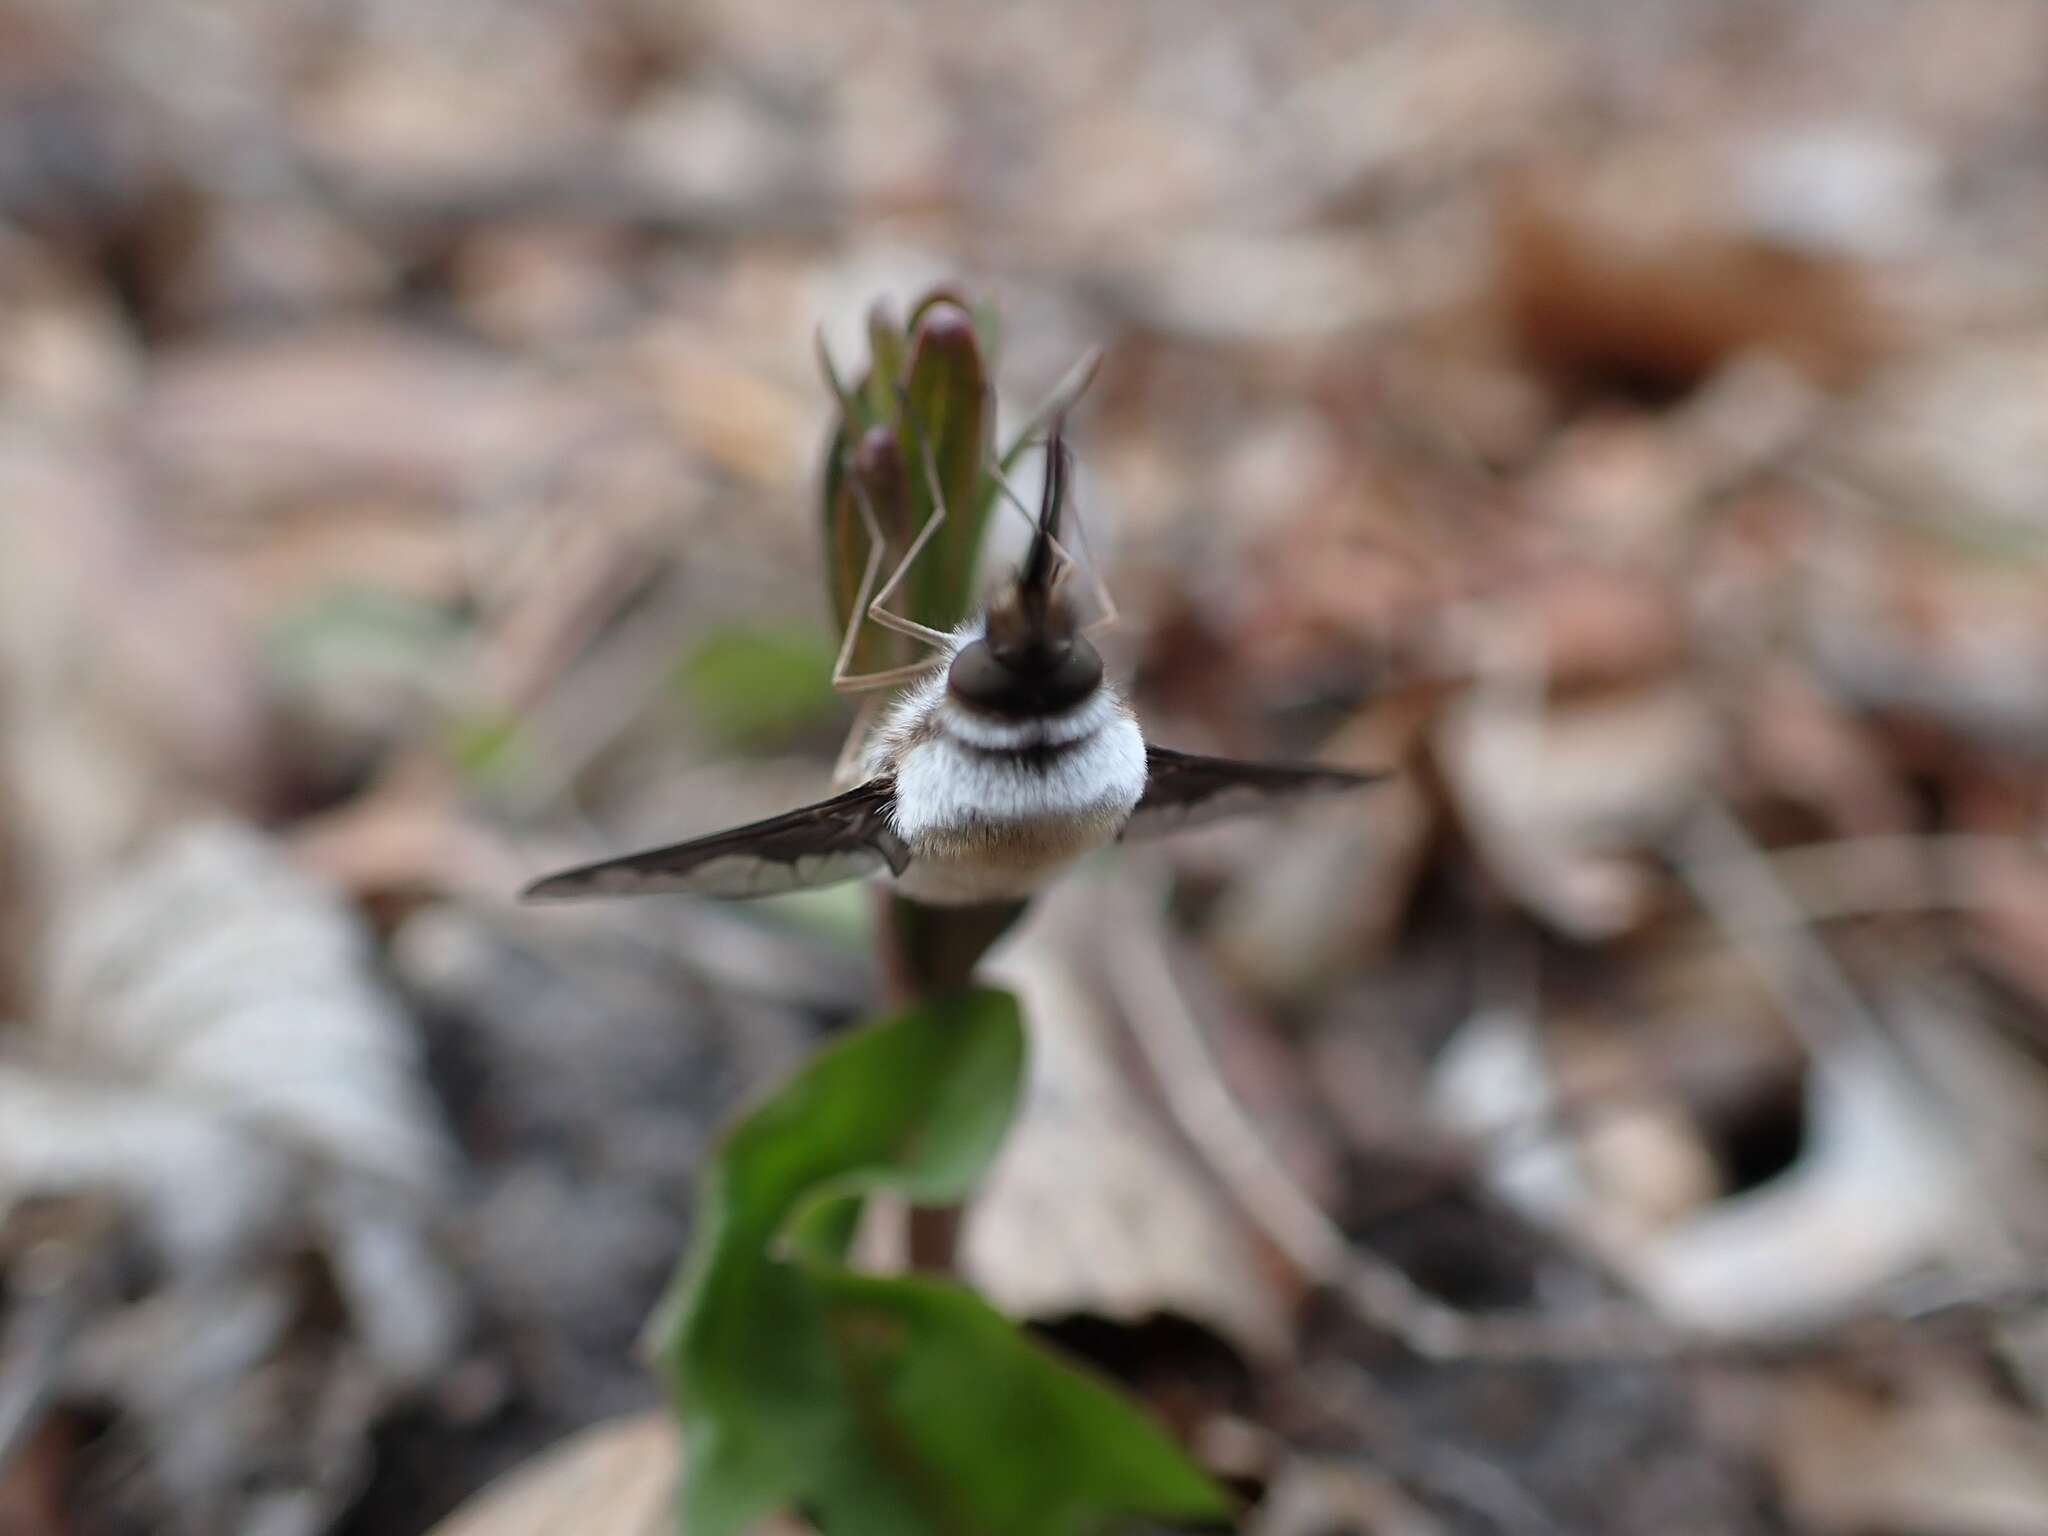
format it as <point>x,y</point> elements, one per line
<point>922,414</point>
<point>824,1230</point>
<point>885,362</point>
<point>946,435</point>
<point>851,407</point>
<point>846,554</point>
<point>988,328</point>
<point>489,748</point>
<point>864,465</point>
<point>986,1431</point>
<point>754,685</point>
<point>842,915</point>
<point>918,1102</point>
<point>903,1406</point>
<point>365,631</point>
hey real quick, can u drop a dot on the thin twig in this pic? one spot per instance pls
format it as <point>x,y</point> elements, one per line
<point>57,1282</point>
<point>1448,1473</point>
<point>31,1363</point>
<point>1887,875</point>
<point>1379,1293</point>
<point>1734,882</point>
<point>1209,1116</point>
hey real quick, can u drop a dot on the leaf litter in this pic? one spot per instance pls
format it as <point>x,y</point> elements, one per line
<point>1623,421</point>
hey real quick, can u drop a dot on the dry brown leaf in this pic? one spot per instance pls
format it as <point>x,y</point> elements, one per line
<point>1946,1460</point>
<point>413,120</point>
<point>1798,742</point>
<point>541,283</point>
<point>32,1485</point>
<point>1898,617</point>
<point>1320,1498</point>
<point>216,1056</point>
<point>406,839</point>
<point>616,1479</point>
<point>1563,800</point>
<point>1091,1208</point>
<point>129,694</point>
<point>212,971</point>
<point>1956,440</point>
<point>1329,884</point>
<point>240,429</point>
<point>1881,1189</point>
<point>1644,264</point>
<point>63,358</point>
<point>720,152</point>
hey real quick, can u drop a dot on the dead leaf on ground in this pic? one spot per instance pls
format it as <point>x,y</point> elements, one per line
<point>1091,1208</point>
<point>1565,800</point>
<point>1943,1460</point>
<point>1315,1498</point>
<point>1644,264</point>
<point>616,1479</point>
<point>216,1056</point>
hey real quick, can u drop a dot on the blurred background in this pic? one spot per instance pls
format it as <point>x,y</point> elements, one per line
<point>1627,420</point>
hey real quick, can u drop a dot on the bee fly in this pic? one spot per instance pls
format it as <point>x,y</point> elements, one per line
<point>1008,755</point>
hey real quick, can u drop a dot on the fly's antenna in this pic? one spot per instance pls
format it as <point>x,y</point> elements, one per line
<point>1035,578</point>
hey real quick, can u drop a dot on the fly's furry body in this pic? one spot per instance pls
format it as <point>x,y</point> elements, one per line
<point>989,807</point>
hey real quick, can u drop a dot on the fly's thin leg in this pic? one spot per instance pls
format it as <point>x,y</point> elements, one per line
<point>891,677</point>
<point>846,768</point>
<point>867,602</point>
<point>842,679</point>
<point>896,621</point>
<point>1009,494</point>
<point>1108,615</point>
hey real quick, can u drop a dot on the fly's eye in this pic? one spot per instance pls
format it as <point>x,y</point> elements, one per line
<point>1019,685</point>
<point>1078,675</point>
<point>977,678</point>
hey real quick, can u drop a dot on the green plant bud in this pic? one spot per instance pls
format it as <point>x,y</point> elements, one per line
<point>913,438</point>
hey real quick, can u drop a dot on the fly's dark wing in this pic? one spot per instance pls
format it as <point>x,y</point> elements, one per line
<point>1183,790</point>
<point>838,839</point>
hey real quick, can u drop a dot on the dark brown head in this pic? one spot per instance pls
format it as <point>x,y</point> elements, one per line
<point>1034,659</point>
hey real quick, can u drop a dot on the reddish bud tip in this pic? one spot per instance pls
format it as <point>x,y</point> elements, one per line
<point>875,458</point>
<point>946,324</point>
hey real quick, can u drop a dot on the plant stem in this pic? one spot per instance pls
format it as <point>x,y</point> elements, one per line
<point>928,952</point>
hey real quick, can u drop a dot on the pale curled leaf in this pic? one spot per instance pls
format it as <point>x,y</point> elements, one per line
<point>1950,1459</point>
<point>216,1057</point>
<point>126,693</point>
<point>615,1479</point>
<point>200,1185</point>
<point>1312,1498</point>
<point>1879,1190</point>
<point>212,971</point>
<point>1564,799</point>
